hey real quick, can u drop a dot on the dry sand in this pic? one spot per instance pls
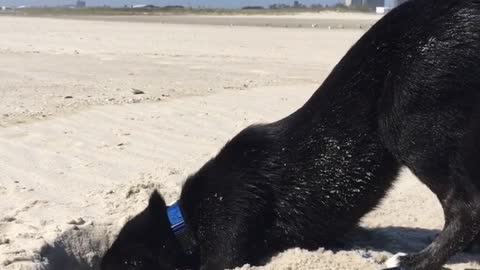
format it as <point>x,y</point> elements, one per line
<point>80,153</point>
<point>329,20</point>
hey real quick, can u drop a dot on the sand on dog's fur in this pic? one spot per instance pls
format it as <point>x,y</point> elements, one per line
<point>70,181</point>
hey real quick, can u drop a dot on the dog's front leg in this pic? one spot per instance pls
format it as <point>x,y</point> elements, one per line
<point>222,258</point>
<point>233,240</point>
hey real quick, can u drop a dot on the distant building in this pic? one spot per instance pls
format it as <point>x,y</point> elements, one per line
<point>81,4</point>
<point>354,3</point>
<point>396,3</point>
<point>383,10</point>
<point>369,4</point>
<point>297,4</point>
<point>373,4</point>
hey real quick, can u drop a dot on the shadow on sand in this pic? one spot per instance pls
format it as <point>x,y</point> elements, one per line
<point>400,239</point>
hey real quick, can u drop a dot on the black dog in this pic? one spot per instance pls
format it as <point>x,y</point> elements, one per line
<point>406,94</point>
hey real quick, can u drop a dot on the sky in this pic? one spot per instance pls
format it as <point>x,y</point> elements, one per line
<point>193,3</point>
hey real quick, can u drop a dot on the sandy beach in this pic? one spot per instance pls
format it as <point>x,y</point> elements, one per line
<point>95,114</point>
<point>324,20</point>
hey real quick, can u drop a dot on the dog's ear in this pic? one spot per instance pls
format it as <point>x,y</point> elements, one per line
<point>156,204</point>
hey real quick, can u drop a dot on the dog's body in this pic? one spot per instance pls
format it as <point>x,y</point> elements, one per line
<point>406,94</point>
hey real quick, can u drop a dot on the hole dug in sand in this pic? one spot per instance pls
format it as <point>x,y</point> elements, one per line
<point>79,248</point>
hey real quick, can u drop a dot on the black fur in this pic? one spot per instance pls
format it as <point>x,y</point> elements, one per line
<point>406,94</point>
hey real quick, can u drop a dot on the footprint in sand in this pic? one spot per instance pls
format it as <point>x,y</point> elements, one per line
<point>4,240</point>
<point>8,219</point>
<point>13,217</point>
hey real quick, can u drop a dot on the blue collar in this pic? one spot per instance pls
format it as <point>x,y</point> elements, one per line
<point>177,224</point>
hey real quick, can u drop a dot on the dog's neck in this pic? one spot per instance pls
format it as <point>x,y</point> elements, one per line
<point>180,229</point>
<point>175,216</point>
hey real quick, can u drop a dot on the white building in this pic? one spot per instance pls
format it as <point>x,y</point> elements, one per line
<point>370,4</point>
<point>383,10</point>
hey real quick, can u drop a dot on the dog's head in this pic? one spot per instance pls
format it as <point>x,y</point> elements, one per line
<point>146,242</point>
